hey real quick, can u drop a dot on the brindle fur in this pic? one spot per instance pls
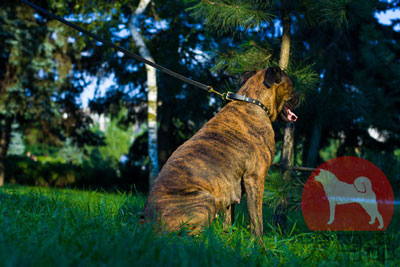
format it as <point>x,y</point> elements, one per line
<point>231,153</point>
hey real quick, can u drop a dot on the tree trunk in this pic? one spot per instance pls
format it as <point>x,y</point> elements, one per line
<point>5,135</point>
<point>152,90</point>
<point>287,149</point>
<point>288,141</point>
<point>314,144</point>
<point>285,46</point>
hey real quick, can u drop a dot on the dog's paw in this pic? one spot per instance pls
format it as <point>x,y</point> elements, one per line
<point>330,222</point>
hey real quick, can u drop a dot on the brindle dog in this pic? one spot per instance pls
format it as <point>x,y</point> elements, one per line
<point>226,158</point>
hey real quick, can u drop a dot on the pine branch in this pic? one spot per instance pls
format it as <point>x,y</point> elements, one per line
<point>250,56</point>
<point>341,14</point>
<point>230,15</point>
<point>304,78</point>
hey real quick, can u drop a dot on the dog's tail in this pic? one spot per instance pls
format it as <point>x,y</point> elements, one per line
<point>363,185</point>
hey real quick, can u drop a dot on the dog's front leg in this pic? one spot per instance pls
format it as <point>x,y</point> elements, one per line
<point>332,205</point>
<point>254,188</point>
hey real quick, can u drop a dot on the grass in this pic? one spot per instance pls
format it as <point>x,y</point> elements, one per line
<point>47,227</point>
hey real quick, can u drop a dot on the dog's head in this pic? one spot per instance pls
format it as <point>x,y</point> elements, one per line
<point>324,177</point>
<point>274,89</point>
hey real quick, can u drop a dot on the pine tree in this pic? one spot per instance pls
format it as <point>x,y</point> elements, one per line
<point>349,48</point>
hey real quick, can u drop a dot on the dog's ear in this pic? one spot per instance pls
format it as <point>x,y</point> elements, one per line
<point>245,76</point>
<point>272,75</point>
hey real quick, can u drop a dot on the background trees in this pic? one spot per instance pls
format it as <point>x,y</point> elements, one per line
<point>37,80</point>
<point>351,80</point>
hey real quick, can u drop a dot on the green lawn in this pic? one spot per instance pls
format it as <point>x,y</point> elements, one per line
<point>42,227</point>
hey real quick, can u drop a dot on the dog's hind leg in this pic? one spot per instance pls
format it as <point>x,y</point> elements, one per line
<point>372,211</point>
<point>190,213</point>
<point>375,215</point>
<point>372,220</point>
<point>380,219</point>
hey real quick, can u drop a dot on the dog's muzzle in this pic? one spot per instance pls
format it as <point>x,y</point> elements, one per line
<point>287,115</point>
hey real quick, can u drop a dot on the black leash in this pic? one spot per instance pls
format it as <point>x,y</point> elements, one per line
<point>225,96</point>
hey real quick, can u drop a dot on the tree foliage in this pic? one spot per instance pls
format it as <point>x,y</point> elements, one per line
<point>38,66</point>
<point>37,76</point>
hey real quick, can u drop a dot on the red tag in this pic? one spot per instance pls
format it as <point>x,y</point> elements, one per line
<point>347,194</point>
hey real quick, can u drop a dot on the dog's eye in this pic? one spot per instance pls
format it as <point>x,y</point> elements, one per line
<point>288,88</point>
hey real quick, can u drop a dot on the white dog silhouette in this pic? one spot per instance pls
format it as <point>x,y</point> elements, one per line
<point>339,192</point>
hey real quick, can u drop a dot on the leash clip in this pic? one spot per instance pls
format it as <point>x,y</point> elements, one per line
<point>227,98</point>
<point>211,90</point>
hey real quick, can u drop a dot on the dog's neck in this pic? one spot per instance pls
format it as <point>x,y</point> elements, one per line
<point>255,89</point>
